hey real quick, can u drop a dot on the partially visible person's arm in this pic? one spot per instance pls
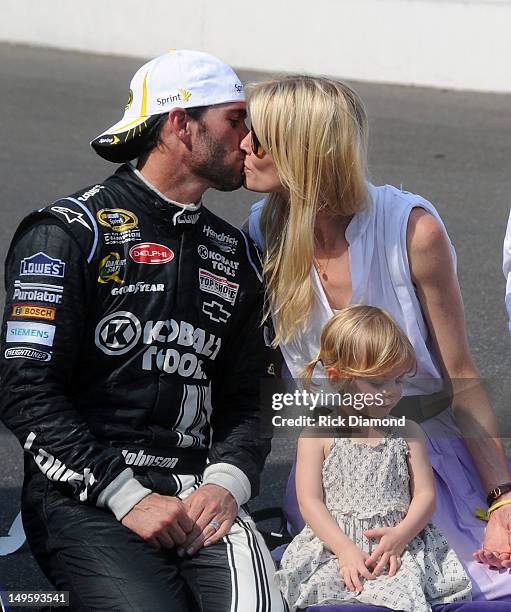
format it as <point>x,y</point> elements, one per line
<point>506,267</point>
<point>437,286</point>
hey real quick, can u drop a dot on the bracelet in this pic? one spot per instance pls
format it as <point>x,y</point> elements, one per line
<point>495,493</point>
<point>484,515</point>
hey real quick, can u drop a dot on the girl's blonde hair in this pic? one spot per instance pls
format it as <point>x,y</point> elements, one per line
<point>315,130</point>
<point>363,341</point>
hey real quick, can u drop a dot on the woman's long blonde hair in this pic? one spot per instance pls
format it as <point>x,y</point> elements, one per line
<point>363,341</point>
<point>315,130</point>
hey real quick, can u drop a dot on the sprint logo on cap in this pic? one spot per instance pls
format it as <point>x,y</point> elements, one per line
<point>182,95</point>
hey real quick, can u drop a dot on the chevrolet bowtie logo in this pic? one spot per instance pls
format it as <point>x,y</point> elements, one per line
<point>216,312</point>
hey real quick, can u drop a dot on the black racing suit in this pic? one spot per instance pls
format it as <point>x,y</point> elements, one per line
<point>132,347</point>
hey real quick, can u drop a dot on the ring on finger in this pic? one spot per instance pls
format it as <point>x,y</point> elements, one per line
<point>215,524</point>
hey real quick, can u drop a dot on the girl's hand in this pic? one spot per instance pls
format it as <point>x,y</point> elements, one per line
<point>389,550</point>
<point>352,565</point>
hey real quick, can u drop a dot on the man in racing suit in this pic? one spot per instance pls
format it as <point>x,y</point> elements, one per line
<point>132,354</point>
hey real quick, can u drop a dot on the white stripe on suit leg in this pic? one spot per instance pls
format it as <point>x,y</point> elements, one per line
<point>234,575</point>
<point>254,569</point>
<point>261,565</point>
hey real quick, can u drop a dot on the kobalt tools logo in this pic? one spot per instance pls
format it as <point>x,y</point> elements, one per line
<point>141,459</point>
<point>219,262</point>
<point>35,333</point>
<point>41,264</point>
<point>38,292</point>
<point>25,352</point>
<point>151,253</point>
<point>121,331</point>
<point>71,216</point>
<point>183,334</point>
<point>117,219</point>
<point>218,285</point>
<point>118,332</point>
<point>215,311</point>
<point>33,311</point>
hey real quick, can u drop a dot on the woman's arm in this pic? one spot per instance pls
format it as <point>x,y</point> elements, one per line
<point>435,279</point>
<point>439,293</point>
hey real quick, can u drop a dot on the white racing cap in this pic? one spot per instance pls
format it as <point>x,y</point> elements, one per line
<point>179,78</point>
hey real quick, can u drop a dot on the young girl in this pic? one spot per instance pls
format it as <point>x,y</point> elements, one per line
<point>367,501</point>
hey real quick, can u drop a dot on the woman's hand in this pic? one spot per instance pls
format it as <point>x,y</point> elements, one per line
<point>352,566</point>
<point>496,550</point>
<point>389,550</point>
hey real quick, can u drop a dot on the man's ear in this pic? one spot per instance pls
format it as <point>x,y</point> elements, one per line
<point>179,123</point>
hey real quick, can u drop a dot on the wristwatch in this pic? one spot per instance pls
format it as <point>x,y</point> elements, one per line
<point>495,493</point>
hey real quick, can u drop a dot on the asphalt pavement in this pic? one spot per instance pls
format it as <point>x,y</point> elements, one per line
<point>454,148</point>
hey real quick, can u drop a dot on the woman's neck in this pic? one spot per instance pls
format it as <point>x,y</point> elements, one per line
<point>330,230</point>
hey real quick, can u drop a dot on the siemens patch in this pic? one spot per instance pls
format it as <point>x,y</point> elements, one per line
<point>35,333</point>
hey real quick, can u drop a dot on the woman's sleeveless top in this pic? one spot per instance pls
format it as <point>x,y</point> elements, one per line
<point>380,276</point>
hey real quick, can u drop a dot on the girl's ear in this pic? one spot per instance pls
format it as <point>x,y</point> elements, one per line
<point>334,373</point>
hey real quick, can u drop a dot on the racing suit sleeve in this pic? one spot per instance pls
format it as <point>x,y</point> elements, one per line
<point>240,447</point>
<point>47,292</point>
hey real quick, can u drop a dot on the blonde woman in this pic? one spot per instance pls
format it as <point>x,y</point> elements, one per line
<point>368,501</point>
<point>331,238</point>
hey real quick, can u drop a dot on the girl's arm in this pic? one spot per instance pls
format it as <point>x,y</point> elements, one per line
<point>309,490</point>
<point>393,540</point>
<point>309,487</point>
<point>422,484</point>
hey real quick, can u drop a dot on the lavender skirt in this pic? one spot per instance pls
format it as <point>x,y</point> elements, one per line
<point>459,491</point>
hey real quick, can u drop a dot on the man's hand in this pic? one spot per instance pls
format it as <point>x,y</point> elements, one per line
<point>496,550</point>
<point>161,520</point>
<point>210,503</point>
<point>389,550</point>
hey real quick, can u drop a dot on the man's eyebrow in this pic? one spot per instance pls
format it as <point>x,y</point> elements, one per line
<point>239,112</point>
